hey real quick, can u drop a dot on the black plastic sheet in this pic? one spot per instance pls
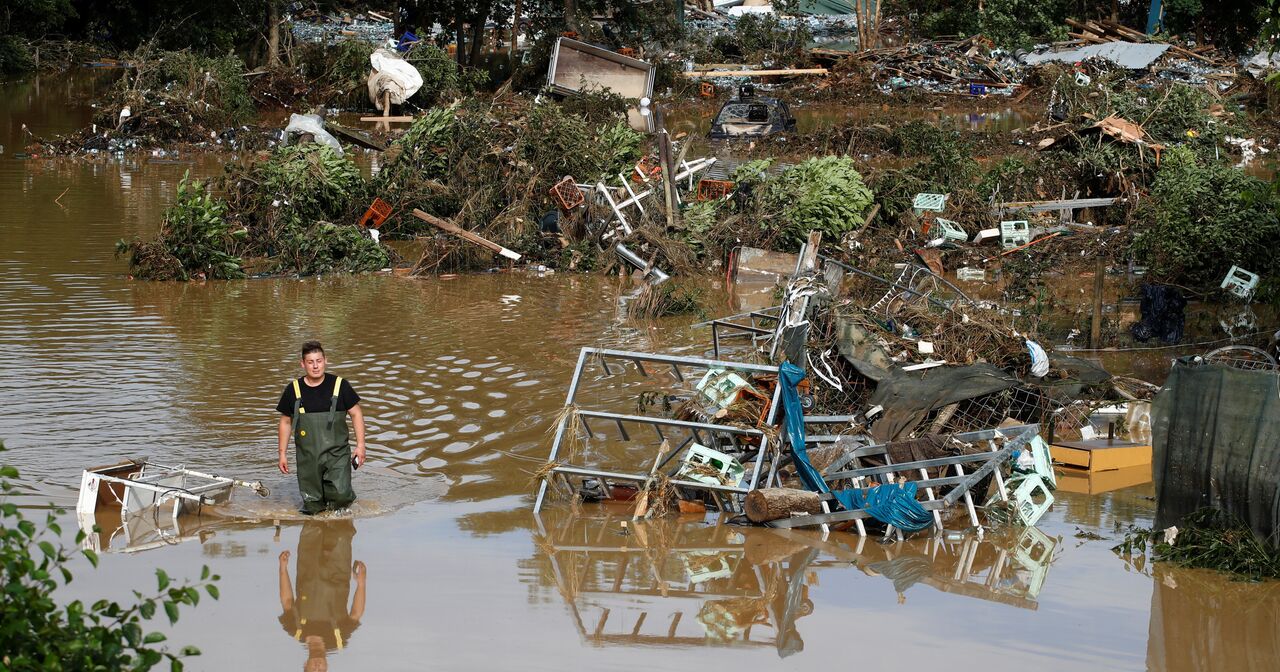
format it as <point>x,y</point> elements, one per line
<point>1216,440</point>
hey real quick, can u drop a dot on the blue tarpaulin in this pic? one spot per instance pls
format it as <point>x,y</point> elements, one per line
<point>892,504</point>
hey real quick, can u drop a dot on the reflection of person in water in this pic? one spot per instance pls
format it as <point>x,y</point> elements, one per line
<point>318,615</point>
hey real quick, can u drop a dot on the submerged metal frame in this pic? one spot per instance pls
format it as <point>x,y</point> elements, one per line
<point>674,362</point>
<point>960,484</point>
<point>733,324</point>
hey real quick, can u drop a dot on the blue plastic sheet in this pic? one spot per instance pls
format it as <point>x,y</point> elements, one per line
<point>891,504</point>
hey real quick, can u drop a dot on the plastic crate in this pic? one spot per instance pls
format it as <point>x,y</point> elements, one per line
<point>377,213</point>
<point>950,230</point>
<point>928,202</point>
<point>1240,282</point>
<point>700,461</point>
<point>567,194</point>
<point>1029,490</point>
<point>1014,233</point>
<point>713,190</point>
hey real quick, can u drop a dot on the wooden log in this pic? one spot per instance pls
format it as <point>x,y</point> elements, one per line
<point>464,234</point>
<point>768,504</point>
<point>755,73</point>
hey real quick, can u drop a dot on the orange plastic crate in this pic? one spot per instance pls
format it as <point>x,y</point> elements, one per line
<point>377,213</point>
<point>567,194</point>
<point>711,190</point>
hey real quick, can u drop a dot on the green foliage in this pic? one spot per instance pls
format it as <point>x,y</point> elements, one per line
<point>342,70</point>
<point>178,95</point>
<point>763,37</point>
<point>1229,25</point>
<point>196,238</point>
<point>311,182</point>
<point>568,144</point>
<point>1203,217</point>
<point>823,193</point>
<point>15,58</point>
<point>1011,179</point>
<point>280,209</point>
<point>41,630</point>
<point>1008,23</point>
<point>442,77</point>
<point>294,196</point>
<point>327,248</point>
<point>1208,539</point>
<point>698,220</point>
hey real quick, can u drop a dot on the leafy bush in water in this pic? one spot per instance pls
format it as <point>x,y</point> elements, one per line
<point>307,186</point>
<point>310,181</point>
<point>41,630</point>
<point>326,247</point>
<point>1203,217</point>
<point>195,238</point>
<point>824,193</point>
<point>179,94</point>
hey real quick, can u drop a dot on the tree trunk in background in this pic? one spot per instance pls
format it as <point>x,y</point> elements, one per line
<point>460,35</point>
<point>570,15</point>
<point>477,41</point>
<point>273,35</point>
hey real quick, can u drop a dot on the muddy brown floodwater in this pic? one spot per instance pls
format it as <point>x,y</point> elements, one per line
<point>444,566</point>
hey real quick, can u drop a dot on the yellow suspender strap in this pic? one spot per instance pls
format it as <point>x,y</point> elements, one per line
<point>338,636</point>
<point>337,386</point>
<point>297,396</point>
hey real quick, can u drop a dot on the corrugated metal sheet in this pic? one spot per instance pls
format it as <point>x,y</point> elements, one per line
<point>1131,55</point>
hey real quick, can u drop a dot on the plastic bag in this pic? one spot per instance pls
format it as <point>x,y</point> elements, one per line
<point>313,124</point>
<point>392,75</point>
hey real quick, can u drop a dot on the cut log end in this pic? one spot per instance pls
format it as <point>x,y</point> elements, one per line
<point>768,504</point>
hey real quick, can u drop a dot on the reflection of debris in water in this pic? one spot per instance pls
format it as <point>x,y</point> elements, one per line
<point>378,491</point>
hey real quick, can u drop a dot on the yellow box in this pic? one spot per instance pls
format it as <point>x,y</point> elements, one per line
<point>1101,454</point>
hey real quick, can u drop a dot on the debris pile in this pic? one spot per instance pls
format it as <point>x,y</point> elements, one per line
<point>881,430</point>
<point>291,213</point>
<point>313,27</point>
<point>944,66</point>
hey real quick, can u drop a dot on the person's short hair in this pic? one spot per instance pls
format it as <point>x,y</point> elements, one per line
<point>310,347</point>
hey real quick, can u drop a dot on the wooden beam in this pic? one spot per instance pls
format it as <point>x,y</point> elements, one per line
<point>755,73</point>
<point>464,234</point>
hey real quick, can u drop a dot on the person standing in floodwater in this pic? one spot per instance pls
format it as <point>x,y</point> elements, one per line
<point>317,615</point>
<point>314,408</point>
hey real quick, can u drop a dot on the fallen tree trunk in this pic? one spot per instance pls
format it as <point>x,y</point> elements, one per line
<point>768,504</point>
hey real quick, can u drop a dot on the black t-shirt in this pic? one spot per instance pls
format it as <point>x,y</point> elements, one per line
<point>316,399</point>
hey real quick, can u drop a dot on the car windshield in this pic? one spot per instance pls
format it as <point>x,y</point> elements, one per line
<point>749,113</point>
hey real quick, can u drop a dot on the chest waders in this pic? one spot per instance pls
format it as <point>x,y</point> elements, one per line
<point>323,454</point>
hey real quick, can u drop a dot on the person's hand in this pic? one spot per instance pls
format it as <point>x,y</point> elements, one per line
<point>357,570</point>
<point>284,464</point>
<point>284,557</point>
<point>359,455</point>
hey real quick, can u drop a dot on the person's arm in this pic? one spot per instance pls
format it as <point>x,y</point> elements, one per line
<point>357,421</point>
<point>286,587</point>
<point>357,602</point>
<point>282,441</point>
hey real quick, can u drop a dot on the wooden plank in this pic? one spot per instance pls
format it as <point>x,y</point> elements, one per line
<point>755,73</point>
<point>392,120</point>
<point>465,235</point>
